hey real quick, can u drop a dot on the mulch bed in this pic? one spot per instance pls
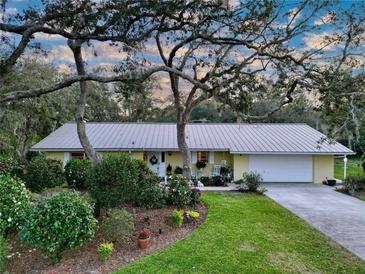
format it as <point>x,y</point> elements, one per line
<point>25,259</point>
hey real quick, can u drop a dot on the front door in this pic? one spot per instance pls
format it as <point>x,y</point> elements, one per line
<point>156,162</point>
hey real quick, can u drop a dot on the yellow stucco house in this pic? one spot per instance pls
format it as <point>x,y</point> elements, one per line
<point>279,152</point>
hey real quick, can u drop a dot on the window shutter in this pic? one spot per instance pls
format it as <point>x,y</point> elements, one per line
<point>193,157</point>
<point>211,157</point>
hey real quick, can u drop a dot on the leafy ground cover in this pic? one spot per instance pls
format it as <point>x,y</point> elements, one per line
<point>246,233</point>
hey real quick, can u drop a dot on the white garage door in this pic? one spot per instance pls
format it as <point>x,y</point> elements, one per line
<point>282,168</point>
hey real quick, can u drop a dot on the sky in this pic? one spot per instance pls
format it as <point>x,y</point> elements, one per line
<point>102,55</point>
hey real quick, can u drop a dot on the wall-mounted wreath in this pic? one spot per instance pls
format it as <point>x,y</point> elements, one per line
<point>153,160</point>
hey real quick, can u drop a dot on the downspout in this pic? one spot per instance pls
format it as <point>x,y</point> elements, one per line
<point>344,167</point>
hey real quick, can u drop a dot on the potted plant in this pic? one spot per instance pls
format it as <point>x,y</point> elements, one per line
<point>169,170</point>
<point>201,165</point>
<point>144,239</point>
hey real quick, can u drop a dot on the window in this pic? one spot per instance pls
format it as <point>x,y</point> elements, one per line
<point>77,155</point>
<point>202,156</point>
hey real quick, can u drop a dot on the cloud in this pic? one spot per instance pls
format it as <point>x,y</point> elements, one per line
<point>8,12</point>
<point>48,37</point>
<point>324,40</point>
<point>97,54</point>
<point>64,69</point>
<point>293,15</point>
<point>329,18</point>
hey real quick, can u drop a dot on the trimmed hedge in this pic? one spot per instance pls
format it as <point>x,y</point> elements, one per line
<point>113,181</point>
<point>41,173</point>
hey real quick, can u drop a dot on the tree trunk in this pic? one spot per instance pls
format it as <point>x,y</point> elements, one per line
<point>184,149</point>
<point>81,104</point>
<point>25,144</point>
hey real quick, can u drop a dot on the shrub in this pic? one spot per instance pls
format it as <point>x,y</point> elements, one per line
<point>195,196</point>
<point>218,181</point>
<point>58,223</point>
<point>150,194</point>
<point>179,192</point>
<point>239,182</point>
<point>118,225</point>
<point>143,169</point>
<point>205,180</point>
<point>193,214</point>
<point>212,181</point>
<point>41,173</point>
<point>113,181</point>
<point>352,184</point>
<point>76,171</point>
<point>252,180</point>
<point>14,200</point>
<point>11,166</point>
<point>177,218</point>
<point>3,252</point>
<point>178,170</point>
<point>105,251</point>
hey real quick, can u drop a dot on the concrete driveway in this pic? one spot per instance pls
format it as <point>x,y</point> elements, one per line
<point>337,215</point>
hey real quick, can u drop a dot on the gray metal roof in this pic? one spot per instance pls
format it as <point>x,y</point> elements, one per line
<point>236,138</point>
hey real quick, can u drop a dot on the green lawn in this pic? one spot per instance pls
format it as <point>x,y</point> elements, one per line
<point>353,167</point>
<point>250,234</point>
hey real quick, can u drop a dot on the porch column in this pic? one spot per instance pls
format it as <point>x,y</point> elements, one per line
<point>344,167</point>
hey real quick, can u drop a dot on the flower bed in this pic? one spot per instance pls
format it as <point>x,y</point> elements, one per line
<point>24,259</point>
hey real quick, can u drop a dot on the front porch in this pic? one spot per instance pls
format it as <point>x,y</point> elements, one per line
<point>205,164</point>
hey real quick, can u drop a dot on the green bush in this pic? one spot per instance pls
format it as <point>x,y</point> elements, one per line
<point>177,218</point>
<point>11,166</point>
<point>149,193</point>
<point>239,182</point>
<point>252,180</point>
<point>60,222</point>
<point>193,214</point>
<point>76,171</point>
<point>41,173</point>
<point>14,199</point>
<point>3,252</point>
<point>178,170</point>
<point>113,181</point>
<point>105,251</point>
<point>119,225</point>
<point>143,169</point>
<point>352,184</point>
<point>212,181</point>
<point>179,192</point>
<point>195,196</point>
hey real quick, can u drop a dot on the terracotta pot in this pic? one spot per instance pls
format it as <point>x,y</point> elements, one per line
<point>143,243</point>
